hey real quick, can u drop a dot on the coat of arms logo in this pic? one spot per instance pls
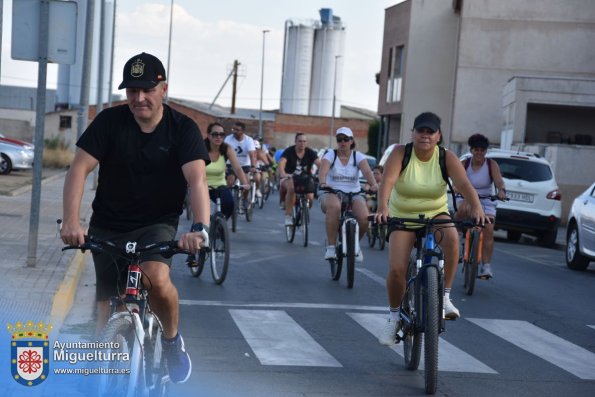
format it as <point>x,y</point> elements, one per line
<point>137,68</point>
<point>29,352</point>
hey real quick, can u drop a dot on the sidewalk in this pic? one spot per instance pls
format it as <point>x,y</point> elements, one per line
<point>44,292</point>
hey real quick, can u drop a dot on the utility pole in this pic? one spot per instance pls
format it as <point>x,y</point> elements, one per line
<point>234,86</point>
<point>330,138</point>
<point>111,64</point>
<point>101,63</point>
<point>83,112</point>
<point>264,32</point>
<point>171,19</point>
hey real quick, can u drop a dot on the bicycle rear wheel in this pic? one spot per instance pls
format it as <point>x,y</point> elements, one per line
<point>119,333</point>
<point>412,335</point>
<point>305,219</point>
<point>337,263</point>
<point>432,327</point>
<point>371,235</point>
<point>155,369</point>
<point>470,264</point>
<point>219,249</point>
<point>381,236</point>
<point>350,260</point>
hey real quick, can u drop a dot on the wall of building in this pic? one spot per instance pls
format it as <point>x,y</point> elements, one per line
<point>500,39</point>
<point>430,64</point>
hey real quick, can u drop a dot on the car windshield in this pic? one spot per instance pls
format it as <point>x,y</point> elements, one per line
<point>526,170</point>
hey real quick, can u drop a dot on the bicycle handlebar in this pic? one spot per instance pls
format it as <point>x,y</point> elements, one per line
<point>335,191</point>
<point>492,197</point>
<point>130,249</point>
<point>426,221</point>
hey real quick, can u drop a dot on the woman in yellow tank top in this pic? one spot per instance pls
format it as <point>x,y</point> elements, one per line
<point>420,189</point>
<point>219,152</point>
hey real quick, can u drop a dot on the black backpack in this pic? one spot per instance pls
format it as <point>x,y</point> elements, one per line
<point>441,161</point>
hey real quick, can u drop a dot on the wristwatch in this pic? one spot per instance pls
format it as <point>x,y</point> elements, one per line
<point>203,230</point>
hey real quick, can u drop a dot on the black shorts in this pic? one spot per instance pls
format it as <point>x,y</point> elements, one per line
<point>229,170</point>
<point>417,229</point>
<point>111,273</point>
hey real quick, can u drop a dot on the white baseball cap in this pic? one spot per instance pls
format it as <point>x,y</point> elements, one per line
<point>345,131</point>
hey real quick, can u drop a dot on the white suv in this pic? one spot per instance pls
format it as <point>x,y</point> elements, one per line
<point>534,205</point>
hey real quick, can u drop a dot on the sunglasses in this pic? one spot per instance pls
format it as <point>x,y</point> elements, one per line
<point>346,139</point>
<point>217,134</point>
<point>426,131</point>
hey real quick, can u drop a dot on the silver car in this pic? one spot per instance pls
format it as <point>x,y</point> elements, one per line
<point>14,157</point>
<point>580,236</point>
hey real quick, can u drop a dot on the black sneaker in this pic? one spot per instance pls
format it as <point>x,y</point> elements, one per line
<point>178,361</point>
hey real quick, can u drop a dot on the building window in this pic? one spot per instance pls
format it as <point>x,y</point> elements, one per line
<point>395,78</point>
<point>65,121</point>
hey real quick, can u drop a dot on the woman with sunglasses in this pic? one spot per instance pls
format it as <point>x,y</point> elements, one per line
<point>420,189</point>
<point>219,153</point>
<point>483,174</point>
<point>339,169</point>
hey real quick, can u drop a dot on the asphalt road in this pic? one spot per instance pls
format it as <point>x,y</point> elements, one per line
<point>279,326</point>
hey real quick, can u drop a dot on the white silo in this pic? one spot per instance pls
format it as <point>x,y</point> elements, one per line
<point>68,91</point>
<point>297,67</point>
<point>329,38</point>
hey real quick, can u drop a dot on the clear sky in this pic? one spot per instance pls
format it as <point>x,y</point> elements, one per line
<point>209,34</point>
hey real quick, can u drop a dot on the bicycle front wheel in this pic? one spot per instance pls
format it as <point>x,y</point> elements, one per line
<point>337,263</point>
<point>290,229</point>
<point>470,264</point>
<point>119,334</point>
<point>305,221</point>
<point>219,250</point>
<point>350,237</point>
<point>371,235</point>
<point>432,327</point>
<point>381,236</point>
<point>234,213</point>
<point>412,335</point>
<point>199,264</point>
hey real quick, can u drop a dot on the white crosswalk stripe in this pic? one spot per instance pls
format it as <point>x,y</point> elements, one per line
<point>277,339</point>
<point>451,358</point>
<point>568,356</point>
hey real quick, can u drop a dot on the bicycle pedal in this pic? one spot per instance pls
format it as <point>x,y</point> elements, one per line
<point>484,277</point>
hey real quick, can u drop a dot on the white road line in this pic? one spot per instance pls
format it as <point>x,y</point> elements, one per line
<point>296,305</point>
<point>277,339</point>
<point>592,326</point>
<point>568,356</point>
<point>450,358</point>
<point>373,276</point>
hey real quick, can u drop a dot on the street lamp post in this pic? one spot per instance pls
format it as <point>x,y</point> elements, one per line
<point>330,138</point>
<point>171,20</point>
<point>264,32</point>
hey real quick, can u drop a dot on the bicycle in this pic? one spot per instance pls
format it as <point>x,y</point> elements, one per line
<point>300,213</point>
<point>237,190</point>
<point>136,330</point>
<point>376,231</point>
<point>421,310</point>
<point>347,242</point>
<point>265,184</point>
<point>218,249</point>
<point>471,250</point>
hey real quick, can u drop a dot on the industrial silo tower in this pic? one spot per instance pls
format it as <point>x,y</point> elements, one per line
<point>311,56</point>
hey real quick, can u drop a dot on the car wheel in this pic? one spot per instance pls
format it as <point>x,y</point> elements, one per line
<point>513,236</point>
<point>574,259</point>
<point>5,164</point>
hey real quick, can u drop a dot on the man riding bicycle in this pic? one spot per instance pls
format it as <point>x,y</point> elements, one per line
<point>148,155</point>
<point>295,160</point>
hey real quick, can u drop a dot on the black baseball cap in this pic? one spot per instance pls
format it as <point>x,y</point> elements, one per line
<point>427,120</point>
<point>142,71</point>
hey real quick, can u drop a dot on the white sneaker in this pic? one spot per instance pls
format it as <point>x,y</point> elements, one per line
<point>288,220</point>
<point>450,311</point>
<point>330,253</point>
<point>258,194</point>
<point>389,331</point>
<point>485,271</point>
<point>359,257</point>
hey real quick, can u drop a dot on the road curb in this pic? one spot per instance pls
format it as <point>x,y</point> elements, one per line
<point>64,296</point>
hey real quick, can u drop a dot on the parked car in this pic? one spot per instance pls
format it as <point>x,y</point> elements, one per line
<point>27,145</point>
<point>534,205</point>
<point>580,234</point>
<point>14,157</point>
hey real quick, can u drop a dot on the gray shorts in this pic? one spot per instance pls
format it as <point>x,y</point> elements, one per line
<point>343,198</point>
<point>111,273</point>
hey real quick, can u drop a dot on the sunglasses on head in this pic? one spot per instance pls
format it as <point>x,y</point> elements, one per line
<point>217,134</point>
<point>346,139</point>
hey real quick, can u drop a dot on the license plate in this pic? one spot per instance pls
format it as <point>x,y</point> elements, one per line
<point>517,196</point>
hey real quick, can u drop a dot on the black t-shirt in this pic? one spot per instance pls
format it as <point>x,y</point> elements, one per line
<point>295,165</point>
<point>140,175</point>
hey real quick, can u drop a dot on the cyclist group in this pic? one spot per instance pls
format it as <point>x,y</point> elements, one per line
<point>150,155</point>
